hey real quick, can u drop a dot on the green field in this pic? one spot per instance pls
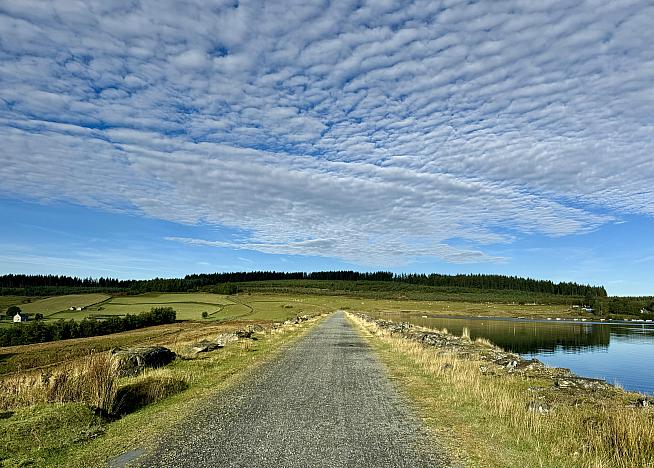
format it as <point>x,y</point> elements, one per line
<point>52,305</point>
<point>190,306</point>
<point>275,306</point>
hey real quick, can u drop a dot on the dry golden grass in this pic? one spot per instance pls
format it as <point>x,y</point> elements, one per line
<point>91,381</point>
<point>598,434</point>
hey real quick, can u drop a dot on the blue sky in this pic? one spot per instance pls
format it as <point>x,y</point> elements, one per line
<point>156,138</point>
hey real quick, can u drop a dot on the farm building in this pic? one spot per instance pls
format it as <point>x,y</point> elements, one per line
<point>20,318</point>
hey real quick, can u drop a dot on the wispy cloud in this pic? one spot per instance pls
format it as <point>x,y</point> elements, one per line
<point>374,133</point>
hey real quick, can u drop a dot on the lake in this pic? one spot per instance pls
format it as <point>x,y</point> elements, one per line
<point>622,353</point>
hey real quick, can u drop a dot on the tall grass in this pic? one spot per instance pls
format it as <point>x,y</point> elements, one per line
<point>603,434</point>
<point>91,381</point>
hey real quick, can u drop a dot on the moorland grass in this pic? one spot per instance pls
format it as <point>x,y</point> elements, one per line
<point>484,418</point>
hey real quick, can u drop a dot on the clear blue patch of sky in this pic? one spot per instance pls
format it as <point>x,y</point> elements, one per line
<point>62,238</point>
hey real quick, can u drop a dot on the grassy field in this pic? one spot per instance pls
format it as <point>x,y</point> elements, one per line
<point>270,306</point>
<point>55,304</point>
<point>483,418</point>
<point>71,434</point>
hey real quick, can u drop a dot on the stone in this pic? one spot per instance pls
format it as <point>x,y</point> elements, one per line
<point>132,361</point>
<point>643,403</point>
<point>538,406</point>
<point>225,338</point>
<point>206,346</point>
<point>582,383</point>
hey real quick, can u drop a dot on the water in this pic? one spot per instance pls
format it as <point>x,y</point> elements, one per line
<point>621,353</point>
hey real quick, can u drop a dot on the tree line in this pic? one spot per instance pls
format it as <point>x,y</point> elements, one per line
<point>32,285</point>
<point>38,331</point>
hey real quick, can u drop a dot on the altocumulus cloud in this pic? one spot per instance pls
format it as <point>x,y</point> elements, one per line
<point>375,132</point>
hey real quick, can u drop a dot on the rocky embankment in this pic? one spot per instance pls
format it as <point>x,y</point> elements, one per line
<point>133,361</point>
<point>556,385</point>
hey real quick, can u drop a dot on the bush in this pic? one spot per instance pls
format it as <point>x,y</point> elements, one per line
<point>205,314</point>
<point>13,310</point>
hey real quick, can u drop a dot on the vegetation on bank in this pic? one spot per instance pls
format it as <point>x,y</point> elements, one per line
<point>38,331</point>
<point>497,419</point>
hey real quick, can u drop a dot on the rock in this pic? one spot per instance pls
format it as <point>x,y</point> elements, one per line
<point>538,406</point>
<point>529,365</point>
<point>132,361</point>
<point>643,403</point>
<point>256,328</point>
<point>245,333</point>
<point>225,338</point>
<point>582,383</point>
<point>205,346</point>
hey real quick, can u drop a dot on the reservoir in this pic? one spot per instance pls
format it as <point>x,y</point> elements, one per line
<point>621,353</point>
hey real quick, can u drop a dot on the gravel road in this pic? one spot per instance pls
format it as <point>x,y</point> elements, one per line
<point>326,401</point>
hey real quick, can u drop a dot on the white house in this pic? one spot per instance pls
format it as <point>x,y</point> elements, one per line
<point>78,308</point>
<point>20,318</point>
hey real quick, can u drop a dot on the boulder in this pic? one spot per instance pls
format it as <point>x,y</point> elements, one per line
<point>205,346</point>
<point>225,338</point>
<point>132,361</point>
<point>582,383</point>
<point>244,333</point>
<point>643,402</point>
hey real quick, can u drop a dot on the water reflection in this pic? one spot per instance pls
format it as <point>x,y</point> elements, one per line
<point>522,336</point>
<point>617,352</point>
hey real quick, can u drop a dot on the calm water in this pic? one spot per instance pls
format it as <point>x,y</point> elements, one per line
<point>620,353</point>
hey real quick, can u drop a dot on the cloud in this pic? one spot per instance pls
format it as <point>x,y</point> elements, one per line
<point>378,133</point>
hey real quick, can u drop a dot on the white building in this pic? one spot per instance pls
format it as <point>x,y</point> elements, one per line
<point>20,318</point>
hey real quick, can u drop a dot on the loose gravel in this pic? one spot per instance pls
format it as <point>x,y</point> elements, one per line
<point>326,401</point>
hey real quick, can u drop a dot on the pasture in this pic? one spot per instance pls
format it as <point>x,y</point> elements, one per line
<point>52,305</point>
<point>271,306</point>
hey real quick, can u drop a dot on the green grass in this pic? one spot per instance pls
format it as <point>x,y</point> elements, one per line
<point>218,307</point>
<point>7,301</point>
<point>52,305</point>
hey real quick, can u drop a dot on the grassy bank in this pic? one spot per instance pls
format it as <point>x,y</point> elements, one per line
<point>485,419</point>
<point>58,423</point>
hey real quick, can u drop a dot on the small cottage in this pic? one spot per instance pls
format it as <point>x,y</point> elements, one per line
<point>20,318</point>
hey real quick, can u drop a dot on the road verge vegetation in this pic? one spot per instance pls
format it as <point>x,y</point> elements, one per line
<point>493,408</point>
<point>83,413</point>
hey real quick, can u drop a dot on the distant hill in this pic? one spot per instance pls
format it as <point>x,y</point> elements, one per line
<point>60,284</point>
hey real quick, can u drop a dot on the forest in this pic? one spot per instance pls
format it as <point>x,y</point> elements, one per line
<point>34,285</point>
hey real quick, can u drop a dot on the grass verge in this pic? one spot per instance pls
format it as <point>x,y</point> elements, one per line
<point>66,432</point>
<point>485,421</point>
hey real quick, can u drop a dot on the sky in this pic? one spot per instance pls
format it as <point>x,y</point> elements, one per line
<point>162,138</point>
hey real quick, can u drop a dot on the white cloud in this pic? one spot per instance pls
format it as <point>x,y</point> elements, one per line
<point>376,134</point>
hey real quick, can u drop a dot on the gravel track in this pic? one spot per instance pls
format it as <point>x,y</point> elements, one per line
<point>326,401</point>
